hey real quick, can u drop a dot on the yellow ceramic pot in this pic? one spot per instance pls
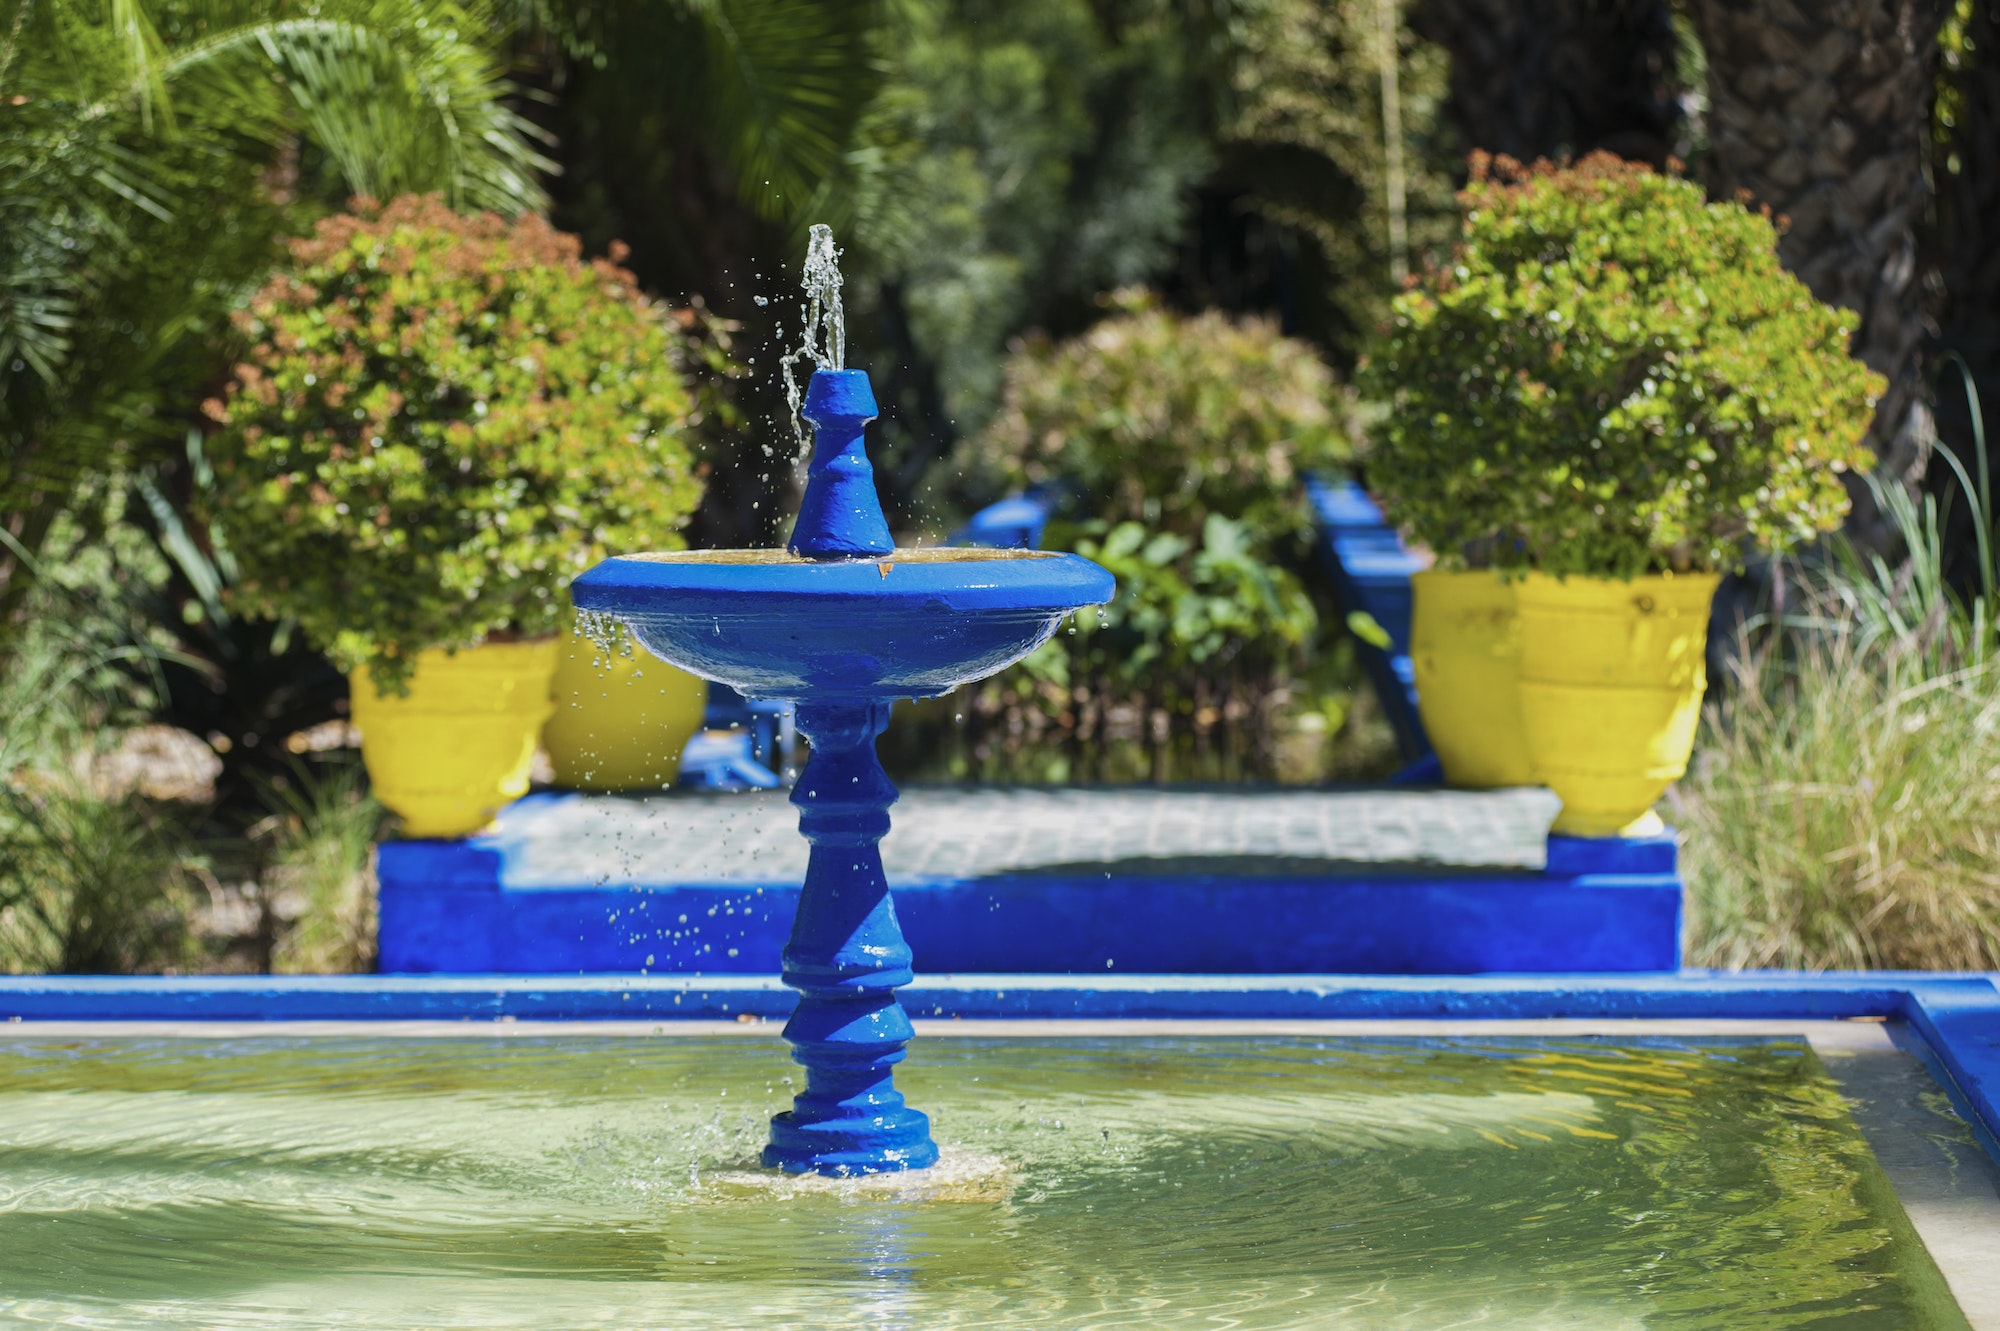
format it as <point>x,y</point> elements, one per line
<point>1465,645</point>
<point>1612,675</point>
<point>621,716</point>
<point>459,747</point>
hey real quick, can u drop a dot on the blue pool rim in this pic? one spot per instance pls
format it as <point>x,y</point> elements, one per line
<point>685,584</point>
<point>1955,1016</point>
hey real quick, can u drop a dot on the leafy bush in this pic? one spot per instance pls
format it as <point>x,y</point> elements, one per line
<point>1181,606</point>
<point>1612,377</point>
<point>441,421</point>
<point>1163,419</point>
<point>1183,441</point>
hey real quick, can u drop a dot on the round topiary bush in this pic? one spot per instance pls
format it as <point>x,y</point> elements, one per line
<point>1612,377</point>
<point>1184,441</point>
<point>440,422</point>
<point>1163,419</point>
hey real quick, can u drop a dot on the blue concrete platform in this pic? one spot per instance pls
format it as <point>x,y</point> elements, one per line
<point>1079,882</point>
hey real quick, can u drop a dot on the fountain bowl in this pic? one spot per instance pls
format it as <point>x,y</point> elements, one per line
<point>911,623</point>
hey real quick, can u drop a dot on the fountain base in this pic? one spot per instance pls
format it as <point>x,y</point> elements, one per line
<point>960,1175</point>
<point>846,958</point>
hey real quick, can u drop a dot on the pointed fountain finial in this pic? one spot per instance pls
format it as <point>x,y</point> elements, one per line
<point>840,516</point>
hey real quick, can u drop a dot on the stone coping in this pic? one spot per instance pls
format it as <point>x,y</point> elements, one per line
<point>961,833</point>
<point>1954,1019</point>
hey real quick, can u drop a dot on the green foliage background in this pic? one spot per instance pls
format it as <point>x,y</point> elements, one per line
<point>1021,157</point>
<point>150,156</point>
<point>1304,142</point>
<point>989,169</point>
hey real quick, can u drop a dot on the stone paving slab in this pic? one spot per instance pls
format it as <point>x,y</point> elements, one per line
<point>955,833</point>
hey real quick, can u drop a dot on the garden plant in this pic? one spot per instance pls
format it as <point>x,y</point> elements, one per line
<point>442,420</point>
<point>1002,165</point>
<point>1612,391</point>
<point>1182,444</point>
<point>1841,812</point>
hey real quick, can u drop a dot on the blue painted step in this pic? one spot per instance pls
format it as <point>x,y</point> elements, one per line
<point>1603,906</point>
<point>744,743</point>
<point>1013,523</point>
<point>1370,571</point>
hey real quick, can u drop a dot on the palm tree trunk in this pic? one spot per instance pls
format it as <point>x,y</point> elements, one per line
<point>1819,109</point>
<point>1967,177</point>
<point>1965,253</point>
<point>1559,78</point>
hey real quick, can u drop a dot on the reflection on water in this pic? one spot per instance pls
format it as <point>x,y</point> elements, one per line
<point>1249,1183</point>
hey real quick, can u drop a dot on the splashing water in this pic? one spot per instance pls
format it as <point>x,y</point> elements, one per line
<point>604,632</point>
<point>823,340</point>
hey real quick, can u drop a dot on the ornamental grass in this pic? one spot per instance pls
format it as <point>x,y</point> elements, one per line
<point>1844,813</point>
<point>1844,807</point>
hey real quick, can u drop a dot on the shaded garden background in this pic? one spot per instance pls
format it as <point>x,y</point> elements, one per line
<point>996,171</point>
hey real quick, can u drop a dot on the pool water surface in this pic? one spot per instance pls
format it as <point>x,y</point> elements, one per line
<point>1246,1182</point>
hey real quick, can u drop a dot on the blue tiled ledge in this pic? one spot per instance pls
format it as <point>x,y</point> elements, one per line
<point>1600,905</point>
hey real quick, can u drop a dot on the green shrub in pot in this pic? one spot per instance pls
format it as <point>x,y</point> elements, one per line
<point>1612,376</point>
<point>1610,393</point>
<point>441,420</point>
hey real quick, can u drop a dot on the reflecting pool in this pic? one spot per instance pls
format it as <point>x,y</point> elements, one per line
<point>528,1182</point>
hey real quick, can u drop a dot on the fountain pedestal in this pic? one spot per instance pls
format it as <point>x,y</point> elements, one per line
<point>846,958</point>
<point>843,624</point>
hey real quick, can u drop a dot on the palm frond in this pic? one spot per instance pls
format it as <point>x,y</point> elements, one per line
<point>62,181</point>
<point>399,109</point>
<point>772,88</point>
<point>122,134</point>
<point>143,53</point>
<point>783,80</point>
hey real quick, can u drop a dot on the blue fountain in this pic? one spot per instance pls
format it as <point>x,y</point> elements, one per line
<point>844,624</point>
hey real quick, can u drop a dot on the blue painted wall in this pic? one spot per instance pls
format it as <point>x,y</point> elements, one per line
<point>1602,906</point>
